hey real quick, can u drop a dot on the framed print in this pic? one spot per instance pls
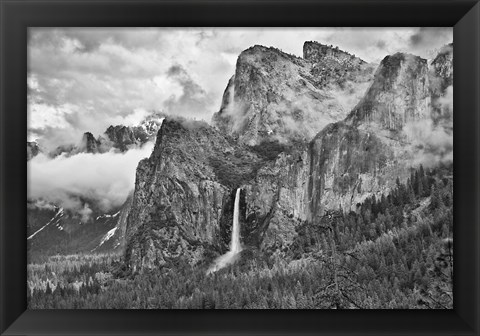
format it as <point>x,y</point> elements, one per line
<point>217,163</point>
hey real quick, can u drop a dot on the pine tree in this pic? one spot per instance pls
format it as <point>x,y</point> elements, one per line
<point>48,291</point>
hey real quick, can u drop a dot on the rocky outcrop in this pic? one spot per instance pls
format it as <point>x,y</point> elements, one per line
<point>32,149</point>
<point>441,88</point>
<point>89,144</point>
<point>276,200</point>
<point>399,94</point>
<point>182,194</point>
<point>121,137</point>
<point>317,53</point>
<point>331,65</point>
<point>348,165</point>
<point>442,68</point>
<point>117,138</point>
<point>274,95</point>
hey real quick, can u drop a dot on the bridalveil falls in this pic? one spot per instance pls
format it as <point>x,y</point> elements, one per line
<point>235,246</point>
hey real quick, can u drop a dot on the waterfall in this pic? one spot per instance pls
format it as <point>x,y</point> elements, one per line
<point>235,243</point>
<point>235,246</point>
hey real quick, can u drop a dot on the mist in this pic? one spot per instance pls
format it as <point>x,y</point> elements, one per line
<point>432,144</point>
<point>105,179</point>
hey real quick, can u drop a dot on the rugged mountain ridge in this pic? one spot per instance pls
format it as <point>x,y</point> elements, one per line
<point>53,230</point>
<point>183,200</point>
<point>274,95</point>
<point>117,138</point>
<point>366,153</point>
<point>399,94</point>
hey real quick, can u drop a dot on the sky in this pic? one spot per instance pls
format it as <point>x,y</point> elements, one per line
<point>86,79</point>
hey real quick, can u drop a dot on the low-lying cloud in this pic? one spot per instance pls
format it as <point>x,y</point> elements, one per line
<point>83,180</point>
<point>431,143</point>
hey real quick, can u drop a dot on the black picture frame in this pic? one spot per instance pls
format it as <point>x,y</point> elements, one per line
<point>17,15</point>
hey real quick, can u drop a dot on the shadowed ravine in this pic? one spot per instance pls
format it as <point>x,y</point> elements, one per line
<point>235,246</point>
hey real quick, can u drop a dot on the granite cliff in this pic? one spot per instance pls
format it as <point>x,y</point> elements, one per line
<point>274,95</point>
<point>299,136</point>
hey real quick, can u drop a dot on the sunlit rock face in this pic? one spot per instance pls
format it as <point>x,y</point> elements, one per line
<point>274,95</point>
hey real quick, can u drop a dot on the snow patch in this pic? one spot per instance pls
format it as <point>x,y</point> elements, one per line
<point>107,236</point>
<point>49,222</point>
<point>108,216</point>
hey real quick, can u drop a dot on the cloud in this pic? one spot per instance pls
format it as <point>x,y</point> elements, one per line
<point>431,144</point>
<point>193,102</point>
<point>104,179</point>
<point>445,103</point>
<point>429,40</point>
<point>85,79</point>
<point>85,213</point>
<point>428,36</point>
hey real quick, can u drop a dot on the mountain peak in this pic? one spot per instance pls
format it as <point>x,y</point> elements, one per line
<point>89,144</point>
<point>315,52</point>
<point>399,93</point>
<point>32,149</point>
<point>275,95</point>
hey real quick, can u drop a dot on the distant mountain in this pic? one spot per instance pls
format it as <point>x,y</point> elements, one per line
<point>54,230</point>
<point>118,138</point>
<point>32,149</point>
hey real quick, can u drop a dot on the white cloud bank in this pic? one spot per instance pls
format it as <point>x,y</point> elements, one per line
<point>106,178</point>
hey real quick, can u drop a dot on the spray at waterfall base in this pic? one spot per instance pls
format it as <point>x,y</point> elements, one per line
<point>235,246</point>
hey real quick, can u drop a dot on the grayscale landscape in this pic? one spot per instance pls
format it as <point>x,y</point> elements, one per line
<point>240,168</point>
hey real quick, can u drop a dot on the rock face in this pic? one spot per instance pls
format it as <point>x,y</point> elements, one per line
<point>364,155</point>
<point>276,200</point>
<point>32,149</point>
<point>442,67</point>
<point>179,195</point>
<point>399,94</point>
<point>262,142</point>
<point>347,165</point>
<point>89,144</point>
<point>274,95</point>
<point>330,64</point>
<point>184,196</point>
<point>121,136</point>
<point>441,79</point>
